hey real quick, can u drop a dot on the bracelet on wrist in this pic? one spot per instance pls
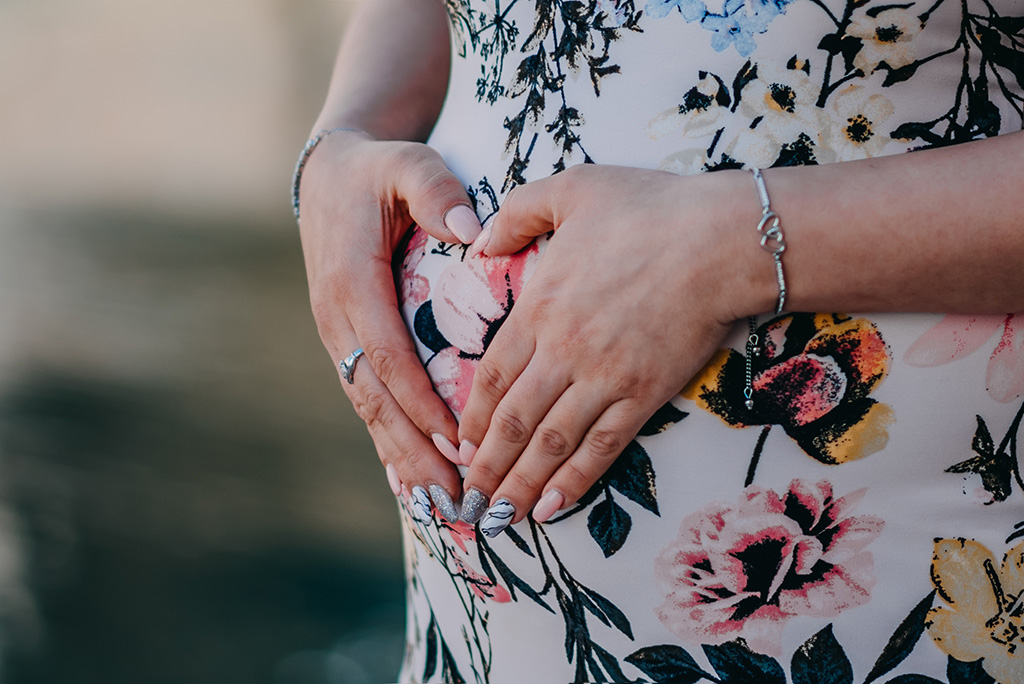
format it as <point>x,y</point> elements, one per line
<point>304,157</point>
<point>773,242</point>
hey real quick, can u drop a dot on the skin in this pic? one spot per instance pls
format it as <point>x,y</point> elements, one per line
<point>582,362</point>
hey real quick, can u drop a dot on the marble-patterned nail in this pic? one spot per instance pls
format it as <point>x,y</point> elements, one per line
<point>467,450</point>
<point>497,517</point>
<point>463,223</point>
<point>421,508</point>
<point>548,505</point>
<point>474,505</point>
<point>393,481</point>
<point>443,502</point>
<point>447,449</point>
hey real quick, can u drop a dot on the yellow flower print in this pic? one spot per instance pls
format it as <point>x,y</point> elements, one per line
<point>814,378</point>
<point>888,36</point>
<point>984,613</point>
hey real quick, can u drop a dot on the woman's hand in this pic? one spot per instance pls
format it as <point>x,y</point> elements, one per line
<point>642,279</point>
<point>359,198</point>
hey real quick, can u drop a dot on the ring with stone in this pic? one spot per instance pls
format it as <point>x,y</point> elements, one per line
<point>348,365</point>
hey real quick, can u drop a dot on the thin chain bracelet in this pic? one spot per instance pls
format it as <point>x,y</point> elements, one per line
<point>304,157</point>
<point>773,242</point>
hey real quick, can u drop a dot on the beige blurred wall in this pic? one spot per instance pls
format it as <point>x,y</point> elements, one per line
<point>191,106</point>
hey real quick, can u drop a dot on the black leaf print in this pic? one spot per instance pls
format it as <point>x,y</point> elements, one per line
<point>609,525</point>
<point>958,672</point>
<point>426,330</point>
<point>607,609</point>
<point>431,664</point>
<point>664,418</point>
<point>667,663</point>
<point>821,660</point>
<point>903,640</point>
<point>632,474</point>
<point>736,663</point>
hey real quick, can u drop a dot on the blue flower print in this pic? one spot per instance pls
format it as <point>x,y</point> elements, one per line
<point>692,10</point>
<point>736,28</point>
<point>736,25</point>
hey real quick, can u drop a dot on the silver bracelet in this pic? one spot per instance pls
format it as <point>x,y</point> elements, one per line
<point>304,157</point>
<point>773,242</point>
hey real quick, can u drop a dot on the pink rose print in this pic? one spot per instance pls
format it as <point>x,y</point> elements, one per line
<point>955,337</point>
<point>457,314</point>
<point>744,570</point>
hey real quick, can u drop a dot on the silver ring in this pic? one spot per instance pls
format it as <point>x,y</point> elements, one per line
<point>348,365</point>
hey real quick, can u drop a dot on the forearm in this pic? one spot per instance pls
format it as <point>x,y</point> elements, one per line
<point>938,230</point>
<point>391,74</point>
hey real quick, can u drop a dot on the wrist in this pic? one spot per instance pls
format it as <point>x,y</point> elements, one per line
<point>743,273</point>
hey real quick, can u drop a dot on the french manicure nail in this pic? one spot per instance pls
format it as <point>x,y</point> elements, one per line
<point>463,223</point>
<point>467,450</point>
<point>447,449</point>
<point>497,517</point>
<point>548,505</point>
<point>393,481</point>
<point>474,505</point>
<point>421,509</point>
<point>480,244</point>
<point>443,502</point>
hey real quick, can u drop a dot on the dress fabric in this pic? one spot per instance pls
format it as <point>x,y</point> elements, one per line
<point>865,520</point>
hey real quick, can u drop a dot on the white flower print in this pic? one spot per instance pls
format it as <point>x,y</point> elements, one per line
<point>697,115</point>
<point>854,133</point>
<point>888,36</point>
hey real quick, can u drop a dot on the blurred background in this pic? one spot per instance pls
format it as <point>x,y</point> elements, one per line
<point>185,494</point>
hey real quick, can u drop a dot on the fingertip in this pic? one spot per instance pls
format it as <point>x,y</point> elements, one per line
<point>463,223</point>
<point>467,450</point>
<point>447,449</point>
<point>548,505</point>
<point>393,480</point>
<point>480,244</point>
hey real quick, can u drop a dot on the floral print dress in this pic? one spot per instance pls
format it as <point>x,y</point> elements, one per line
<point>865,520</point>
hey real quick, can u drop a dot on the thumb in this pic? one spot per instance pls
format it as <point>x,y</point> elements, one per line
<point>527,212</point>
<point>437,200</point>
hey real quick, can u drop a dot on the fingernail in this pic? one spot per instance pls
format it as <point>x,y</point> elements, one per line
<point>548,505</point>
<point>421,504</point>
<point>443,502</point>
<point>497,517</point>
<point>393,481</point>
<point>480,244</point>
<point>463,223</point>
<point>474,505</point>
<point>447,449</point>
<point>467,450</point>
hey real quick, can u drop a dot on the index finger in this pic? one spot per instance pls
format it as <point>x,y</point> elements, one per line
<point>375,317</point>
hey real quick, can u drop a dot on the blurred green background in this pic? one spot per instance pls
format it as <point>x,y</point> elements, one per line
<point>185,493</point>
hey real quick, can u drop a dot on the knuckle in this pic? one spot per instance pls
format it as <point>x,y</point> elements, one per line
<point>324,309</point>
<point>489,379</point>
<point>552,443</point>
<point>438,185</point>
<point>372,407</point>
<point>487,475</point>
<point>523,482</point>
<point>605,444</point>
<point>386,362</point>
<point>510,427</point>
